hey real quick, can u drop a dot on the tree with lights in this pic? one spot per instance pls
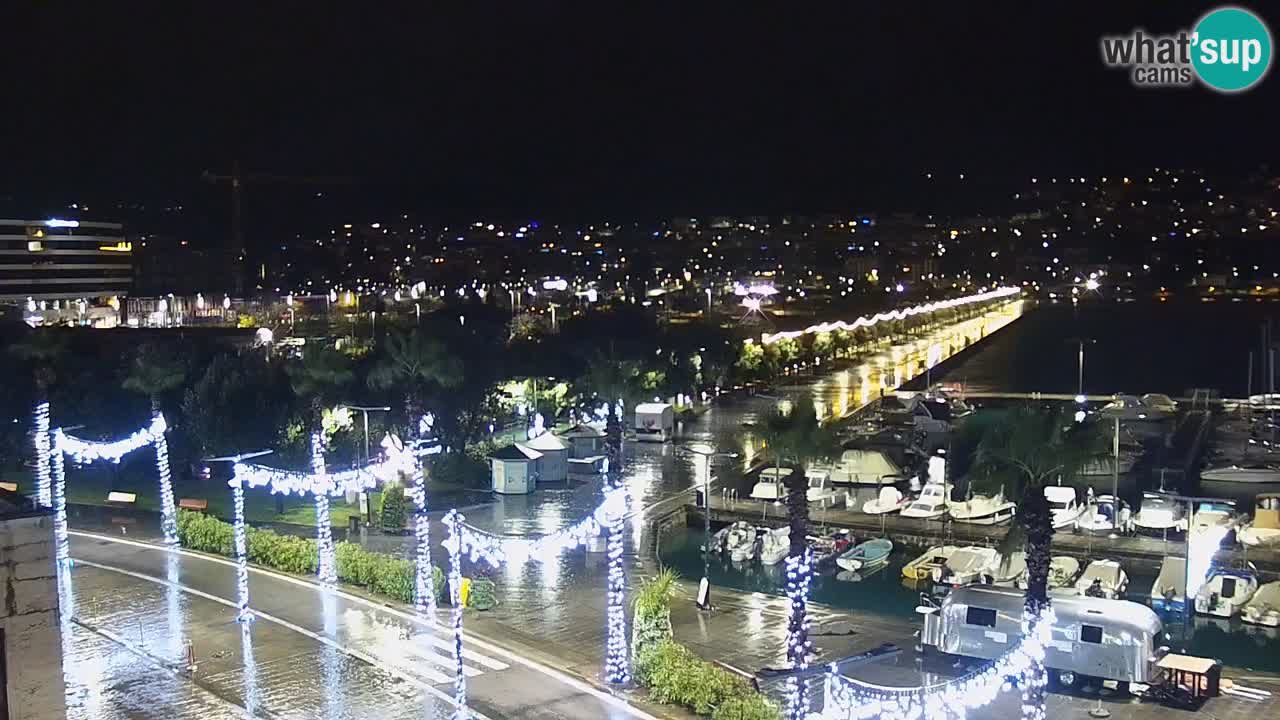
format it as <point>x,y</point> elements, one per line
<point>798,437</point>
<point>43,349</point>
<point>1022,450</point>
<point>614,380</point>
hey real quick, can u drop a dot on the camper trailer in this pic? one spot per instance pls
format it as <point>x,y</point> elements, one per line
<point>655,422</point>
<point>1092,637</point>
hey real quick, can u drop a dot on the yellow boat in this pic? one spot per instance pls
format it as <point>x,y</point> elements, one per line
<point>922,567</point>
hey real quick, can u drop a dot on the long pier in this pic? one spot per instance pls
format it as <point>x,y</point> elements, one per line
<point>1139,549</point>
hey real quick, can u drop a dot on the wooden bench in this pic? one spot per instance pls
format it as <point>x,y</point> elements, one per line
<point>11,487</point>
<point>193,504</point>
<point>126,498</point>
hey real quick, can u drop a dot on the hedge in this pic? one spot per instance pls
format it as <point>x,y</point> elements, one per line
<point>675,675</point>
<point>379,572</point>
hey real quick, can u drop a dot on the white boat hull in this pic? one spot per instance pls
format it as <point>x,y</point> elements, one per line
<point>994,516</point>
<point>1241,475</point>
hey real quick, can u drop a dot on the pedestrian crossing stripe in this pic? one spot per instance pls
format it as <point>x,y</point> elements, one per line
<point>435,658</point>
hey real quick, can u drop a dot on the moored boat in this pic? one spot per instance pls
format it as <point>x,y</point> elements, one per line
<point>1167,590</point>
<point>889,500</point>
<point>965,566</point>
<point>1264,607</point>
<point>1103,578</point>
<point>866,555</point>
<point>1263,530</point>
<point>1225,593</point>
<point>922,567</point>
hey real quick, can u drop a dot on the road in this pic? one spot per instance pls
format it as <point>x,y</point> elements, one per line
<point>310,653</point>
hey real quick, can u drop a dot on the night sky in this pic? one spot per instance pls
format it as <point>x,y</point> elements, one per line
<point>583,109</point>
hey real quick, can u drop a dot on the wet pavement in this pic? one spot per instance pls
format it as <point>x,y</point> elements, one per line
<point>310,653</point>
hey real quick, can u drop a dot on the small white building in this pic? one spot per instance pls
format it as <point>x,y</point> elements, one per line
<point>587,440</point>
<point>515,469</point>
<point>29,621</point>
<point>553,466</point>
<point>655,422</point>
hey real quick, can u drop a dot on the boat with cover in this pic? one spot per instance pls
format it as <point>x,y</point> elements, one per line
<point>889,500</point>
<point>1264,529</point>
<point>1167,590</point>
<point>1264,607</point>
<point>965,566</point>
<point>866,555</point>
<point>923,566</point>
<point>1103,578</point>
<point>774,545</point>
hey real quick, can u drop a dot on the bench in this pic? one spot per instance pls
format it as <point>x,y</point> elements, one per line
<point>122,497</point>
<point>11,487</point>
<point>193,504</point>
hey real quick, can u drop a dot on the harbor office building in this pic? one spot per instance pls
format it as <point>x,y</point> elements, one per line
<point>58,272</point>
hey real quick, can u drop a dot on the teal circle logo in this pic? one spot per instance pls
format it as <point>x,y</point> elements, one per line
<point>1231,49</point>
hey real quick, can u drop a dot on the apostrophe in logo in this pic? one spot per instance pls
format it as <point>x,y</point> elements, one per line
<point>1231,49</point>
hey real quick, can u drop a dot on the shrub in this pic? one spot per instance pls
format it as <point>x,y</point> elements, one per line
<point>483,594</point>
<point>675,675</point>
<point>652,622</point>
<point>395,508</point>
<point>379,572</point>
<point>209,534</point>
<point>752,706</point>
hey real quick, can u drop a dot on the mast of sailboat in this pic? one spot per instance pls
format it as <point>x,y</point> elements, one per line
<point>1115,474</point>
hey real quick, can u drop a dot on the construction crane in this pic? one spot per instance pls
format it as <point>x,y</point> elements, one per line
<point>237,181</point>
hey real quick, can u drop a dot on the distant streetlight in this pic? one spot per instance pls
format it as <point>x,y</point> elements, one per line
<point>706,453</point>
<point>1081,342</point>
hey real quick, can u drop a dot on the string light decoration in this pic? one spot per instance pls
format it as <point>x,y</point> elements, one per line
<point>864,321</point>
<point>323,484</point>
<point>799,570</point>
<point>453,520</point>
<point>424,595</point>
<point>62,544</point>
<point>168,511</point>
<point>240,539</point>
<point>1022,666</point>
<point>83,452</point>
<point>40,439</point>
<point>477,545</point>
<point>617,665</point>
<point>398,461</point>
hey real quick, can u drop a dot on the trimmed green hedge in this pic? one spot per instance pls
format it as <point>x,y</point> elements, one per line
<point>379,572</point>
<point>484,594</point>
<point>675,675</point>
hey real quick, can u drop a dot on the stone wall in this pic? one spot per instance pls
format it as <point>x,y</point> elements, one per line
<point>29,618</point>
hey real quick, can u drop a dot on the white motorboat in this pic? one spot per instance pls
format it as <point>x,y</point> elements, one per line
<point>1063,505</point>
<point>1264,607</point>
<point>1264,529</point>
<point>983,510</point>
<point>1129,407</point>
<point>1101,517</point>
<point>1159,514</point>
<point>931,505</point>
<point>923,566</point>
<point>1006,570</point>
<point>820,489</point>
<point>1103,465</point>
<point>1225,593</point>
<point>774,545</point>
<point>863,467</point>
<point>889,500</point>
<point>1167,591</point>
<point>1212,519</point>
<point>1243,472</point>
<point>1160,402</point>
<point>771,485</point>
<point>966,566</point>
<point>1063,570</point>
<point>740,542</point>
<point>1103,578</point>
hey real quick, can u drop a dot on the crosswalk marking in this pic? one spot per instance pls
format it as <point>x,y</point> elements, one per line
<point>446,644</point>
<point>436,658</point>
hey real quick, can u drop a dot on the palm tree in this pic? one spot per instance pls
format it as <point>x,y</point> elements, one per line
<point>798,437</point>
<point>412,361</point>
<point>1024,449</point>
<point>154,371</point>
<point>613,380</point>
<point>44,349</point>
<point>318,377</point>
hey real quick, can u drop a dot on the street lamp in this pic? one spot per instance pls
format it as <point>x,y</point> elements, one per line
<point>364,497</point>
<point>706,453</point>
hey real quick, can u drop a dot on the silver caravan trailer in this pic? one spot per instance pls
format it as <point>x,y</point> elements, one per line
<point>1092,637</point>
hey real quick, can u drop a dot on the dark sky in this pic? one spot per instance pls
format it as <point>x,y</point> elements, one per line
<point>592,107</point>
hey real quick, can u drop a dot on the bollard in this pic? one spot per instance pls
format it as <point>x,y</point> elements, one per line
<point>189,655</point>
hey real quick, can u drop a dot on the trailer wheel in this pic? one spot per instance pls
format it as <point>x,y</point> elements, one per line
<point>1066,679</point>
